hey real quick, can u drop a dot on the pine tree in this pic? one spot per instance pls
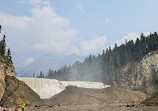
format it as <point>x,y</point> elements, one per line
<point>9,57</point>
<point>41,75</point>
<point>0,28</point>
<point>3,46</point>
<point>3,53</point>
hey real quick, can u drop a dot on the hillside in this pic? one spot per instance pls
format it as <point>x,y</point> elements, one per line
<point>17,92</point>
<point>5,70</point>
<point>81,96</point>
<point>131,65</point>
<point>113,65</point>
<point>82,99</point>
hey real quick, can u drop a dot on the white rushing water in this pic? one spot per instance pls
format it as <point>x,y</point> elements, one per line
<point>47,88</point>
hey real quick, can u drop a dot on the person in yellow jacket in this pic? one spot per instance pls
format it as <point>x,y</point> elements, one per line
<point>23,105</point>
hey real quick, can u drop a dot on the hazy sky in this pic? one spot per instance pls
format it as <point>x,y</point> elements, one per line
<point>62,27</point>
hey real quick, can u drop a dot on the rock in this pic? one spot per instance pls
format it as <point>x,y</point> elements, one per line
<point>5,70</point>
<point>147,71</point>
<point>130,105</point>
<point>141,75</point>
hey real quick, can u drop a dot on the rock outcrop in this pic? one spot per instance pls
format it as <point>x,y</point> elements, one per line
<point>142,75</point>
<point>5,69</point>
<point>2,80</point>
<point>147,72</point>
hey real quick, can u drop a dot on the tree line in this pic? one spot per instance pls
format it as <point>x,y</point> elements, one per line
<point>106,67</point>
<point>5,54</point>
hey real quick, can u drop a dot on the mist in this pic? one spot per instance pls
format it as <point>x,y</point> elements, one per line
<point>108,66</point>
<point>91,69</point>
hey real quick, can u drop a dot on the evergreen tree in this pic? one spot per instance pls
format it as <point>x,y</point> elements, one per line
<point>3,53</point>
<point>0,28</point>
<point>3,46</point>
<point>8,56</point>
<point>41,75</point>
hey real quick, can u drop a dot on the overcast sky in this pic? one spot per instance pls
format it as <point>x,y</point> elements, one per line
<point>61,27</point>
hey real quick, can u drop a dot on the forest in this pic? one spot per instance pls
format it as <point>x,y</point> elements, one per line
<point>106,67</point>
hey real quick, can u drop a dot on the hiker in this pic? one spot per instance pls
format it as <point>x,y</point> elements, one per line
<point>23,105</point>
<point>17,107</point>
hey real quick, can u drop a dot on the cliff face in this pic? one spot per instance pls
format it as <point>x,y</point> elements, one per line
<point>147,72</point>
<point>2,80</point>
<point>143,75</point>
<point>5,69</point>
